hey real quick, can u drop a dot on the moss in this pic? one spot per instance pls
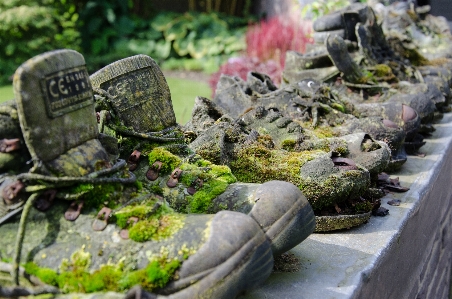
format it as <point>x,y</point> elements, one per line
<point>288,144</point>
<point>320,193</point>
<point>96,196</point>
<point>156,275</point>
<point>156,228</point>
<point>215,178</point>
<point>363,207</point>
<point>156,189</point>
<point>77,279</point>
<point>169,160</point>
<point>258,164</point>
<point>323,132</point>
<point>46,275</point>
<point>202,199</point>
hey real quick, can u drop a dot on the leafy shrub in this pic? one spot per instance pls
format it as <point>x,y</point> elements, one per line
<point>320,8</point>
<point>28,28</point>
<point>269,40</point>
<point>194,36</point>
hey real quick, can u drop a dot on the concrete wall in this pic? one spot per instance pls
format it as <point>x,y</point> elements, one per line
<point>418,264</point>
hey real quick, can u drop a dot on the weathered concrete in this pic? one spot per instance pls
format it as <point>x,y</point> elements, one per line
<point>406,254</point>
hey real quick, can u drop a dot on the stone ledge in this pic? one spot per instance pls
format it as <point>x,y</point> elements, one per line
<point>406,254</point>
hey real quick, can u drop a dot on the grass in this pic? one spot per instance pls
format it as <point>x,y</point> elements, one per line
<point>183,94</point>
<point>6,93</point>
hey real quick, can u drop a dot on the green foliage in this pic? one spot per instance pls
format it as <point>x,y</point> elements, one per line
<point>30,27</point>
<point>110,33</point>
<point>320,8</point>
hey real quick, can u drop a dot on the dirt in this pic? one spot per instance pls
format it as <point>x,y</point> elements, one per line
<point>286,262</point>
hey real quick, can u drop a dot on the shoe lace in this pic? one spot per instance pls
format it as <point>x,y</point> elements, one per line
<point>166,135</point>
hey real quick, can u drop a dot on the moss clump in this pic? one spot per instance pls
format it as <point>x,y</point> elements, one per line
<point>215,180</point>
<point>169,160</point>
<point>74,276</point>
<point>96,196</point>
<point>202,199</point>
<point>323,132</point>
<point>363,207</point>
<point>156,275</point>
<point>156,220</point>
<point>156,228</point>
<point>258,164</point>
<point>288,144</point>
<point>382,70</point>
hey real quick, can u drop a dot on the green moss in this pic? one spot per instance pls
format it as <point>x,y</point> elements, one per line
<point>156,228</point>
<point>259,164</point>
<point>288,144</point>
<point>382,70</point>
<point>363,207</point>
<point>156,275</point>
<point>96,196</point>
<point>169,160</point>
<point>77,279</point>
<point>202,199</point>
<point>156,189</point>
<point>351,183</point>
<point>215,178</point>
<point>323,132</point>
<point>46,275</point>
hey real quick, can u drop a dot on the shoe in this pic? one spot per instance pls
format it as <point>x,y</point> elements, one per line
<point>13,153</point>
<point>182,256</point>
<point>319,107</point>
<point>165,165</point>
<point>247,147</point>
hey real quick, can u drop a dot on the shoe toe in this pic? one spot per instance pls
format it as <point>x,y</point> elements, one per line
<point>284,214</point>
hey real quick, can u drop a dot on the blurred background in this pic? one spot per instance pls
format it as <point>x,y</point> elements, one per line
<point>192,41</point>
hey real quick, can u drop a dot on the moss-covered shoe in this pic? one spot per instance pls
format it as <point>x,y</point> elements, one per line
<point>155,147</point>
<point>185,256</point>
<point>255,157</point>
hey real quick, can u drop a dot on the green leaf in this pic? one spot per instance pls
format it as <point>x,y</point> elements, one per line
<point>162,49</point>
<point>199,48</point>
<point>177,30</point>
<point>162,21</point>
<point>181,45</point>
<point>146,47</point>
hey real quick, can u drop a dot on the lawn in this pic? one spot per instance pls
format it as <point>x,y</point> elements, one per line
<point>183,93</point>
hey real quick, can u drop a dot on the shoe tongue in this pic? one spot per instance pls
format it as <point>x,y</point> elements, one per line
<point>55,103</point>
<point>139,94</point>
